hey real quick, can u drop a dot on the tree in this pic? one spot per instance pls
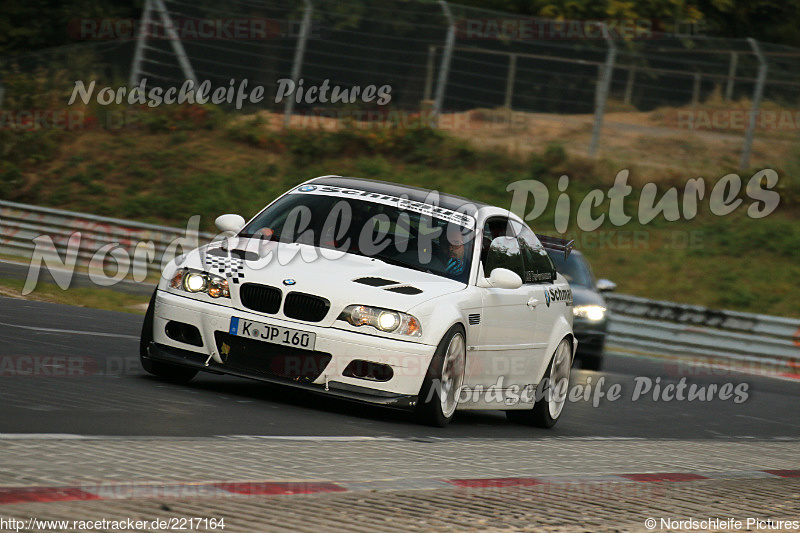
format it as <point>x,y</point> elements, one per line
<point>30,25</point>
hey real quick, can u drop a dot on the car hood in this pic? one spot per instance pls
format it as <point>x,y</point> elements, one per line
<point>344,280</point>
<point>586,296</point>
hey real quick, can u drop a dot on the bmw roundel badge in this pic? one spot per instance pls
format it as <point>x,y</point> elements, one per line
<point>307,188</point>
<point>289,281</point>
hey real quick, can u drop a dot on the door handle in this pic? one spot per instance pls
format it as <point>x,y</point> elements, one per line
<point>533,302</point>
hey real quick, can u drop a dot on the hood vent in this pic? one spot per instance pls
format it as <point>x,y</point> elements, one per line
<point>404,289</point>
<point>244,254</point>
<point>216,252</point>
<point>239,254</point>
<point>383,282</point>
<point>375,282</point>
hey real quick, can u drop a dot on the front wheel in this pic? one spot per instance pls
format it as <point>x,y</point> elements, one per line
<point>553,394</point>
<point>438,397</point>
<point>167,371</point>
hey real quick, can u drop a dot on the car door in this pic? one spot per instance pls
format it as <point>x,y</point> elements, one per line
<point>501,352</point>
<point>540,282</point>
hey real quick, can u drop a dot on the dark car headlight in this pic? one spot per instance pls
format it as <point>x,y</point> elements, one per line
<point>595,313</point>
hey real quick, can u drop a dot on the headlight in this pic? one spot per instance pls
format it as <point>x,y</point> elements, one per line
<point>218,287</point>
<point>592,312</point>
<point>194,281</point>
<point>382,320</point>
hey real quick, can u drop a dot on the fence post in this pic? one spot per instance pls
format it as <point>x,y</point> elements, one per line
<point>297,65</point>
<point>512,73</point>
<point>429,72</point>
<point>138,54</point>
<point>629,86</point>
<point>757,93</point>
<point>175,41</point>
<point>600,70</point>
<point>731,75</point>
<point>601,95</point>
<point>447,54</point>
<point>696,89</point>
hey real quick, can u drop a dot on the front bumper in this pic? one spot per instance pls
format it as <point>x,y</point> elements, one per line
<point>177,356</point>
<point>591,336</point>
<point>322,369</point>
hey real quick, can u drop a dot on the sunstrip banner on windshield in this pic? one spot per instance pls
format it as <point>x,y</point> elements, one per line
<point>405,204</point>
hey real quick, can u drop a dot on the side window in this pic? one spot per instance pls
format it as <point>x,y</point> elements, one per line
<point>504,252</point>
<point>539,267</point>
<point>493,228</point>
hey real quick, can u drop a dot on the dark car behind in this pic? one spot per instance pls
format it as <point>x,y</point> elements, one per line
<point>589,307</point>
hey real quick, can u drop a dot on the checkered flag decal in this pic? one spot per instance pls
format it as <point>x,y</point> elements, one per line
<point>230,267</point>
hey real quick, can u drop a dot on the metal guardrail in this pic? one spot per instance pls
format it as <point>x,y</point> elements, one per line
<point>20,224</point>
<point>638,323</point>
<point>773,326</point>
<point>680,329</point>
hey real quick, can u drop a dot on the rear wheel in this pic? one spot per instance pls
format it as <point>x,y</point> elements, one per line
<point>438,396</point>
<point>174,373</point>
<point>553,396</point>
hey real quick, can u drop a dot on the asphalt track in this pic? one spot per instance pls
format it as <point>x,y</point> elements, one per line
<point>70,370</point>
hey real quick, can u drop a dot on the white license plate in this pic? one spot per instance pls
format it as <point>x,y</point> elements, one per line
<point>274,334</point>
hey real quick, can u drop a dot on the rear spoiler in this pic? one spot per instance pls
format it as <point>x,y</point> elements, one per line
<point>556,244</point>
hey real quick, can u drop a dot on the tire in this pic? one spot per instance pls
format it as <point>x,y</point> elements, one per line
<point>174,373</point>
<point>590,355</point>
<point>592,362</point>
<point>445,374</point>
<point>549,407</point>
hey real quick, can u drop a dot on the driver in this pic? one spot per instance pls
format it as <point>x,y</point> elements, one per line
<point>455,255</point>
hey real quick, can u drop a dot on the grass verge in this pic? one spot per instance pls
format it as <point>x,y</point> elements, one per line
<point>173,169</point>
<point>96,298</point>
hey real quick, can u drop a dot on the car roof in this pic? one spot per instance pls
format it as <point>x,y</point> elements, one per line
<point>417,194</point>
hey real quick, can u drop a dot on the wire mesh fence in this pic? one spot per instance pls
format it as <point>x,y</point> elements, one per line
<point>447,58</point>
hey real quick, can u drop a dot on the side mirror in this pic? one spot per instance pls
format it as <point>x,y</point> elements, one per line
<point>502,278</point>
<point>232,223</point>
<point>605,285</point>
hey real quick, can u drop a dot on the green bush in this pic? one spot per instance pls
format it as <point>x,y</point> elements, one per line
<point>554,155</point>
<point>251,131</point>
<point>11,179</point>
<point>170,118</point>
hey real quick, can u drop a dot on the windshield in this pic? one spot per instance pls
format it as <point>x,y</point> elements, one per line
<point>393,234</point>
<point>573,268</point>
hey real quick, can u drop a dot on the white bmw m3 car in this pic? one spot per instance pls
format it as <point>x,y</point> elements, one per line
<point>376,292</point>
